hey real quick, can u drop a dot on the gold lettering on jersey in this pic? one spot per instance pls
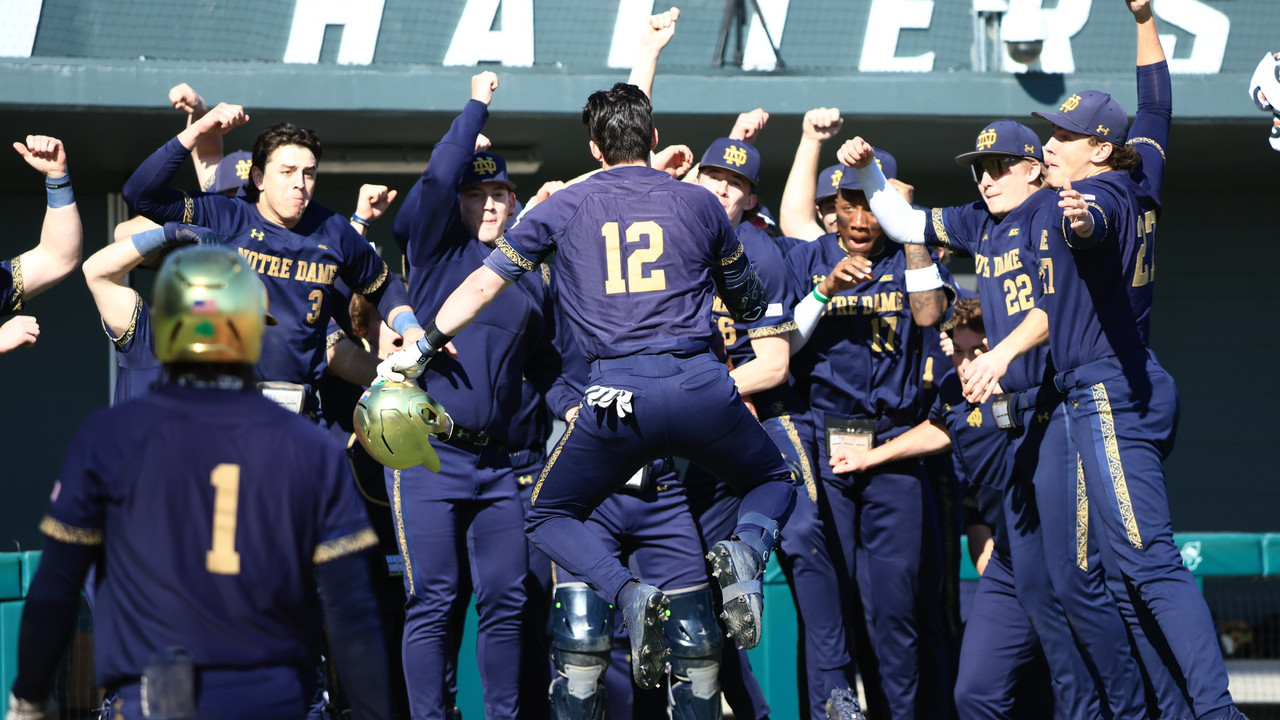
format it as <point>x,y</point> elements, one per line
<point>987,139</point>
<point>997,265</point>
<point>282,267</point>
<point>1044,239</point>
<point>484,166</point>
<point>1144,270</point>
<point>871,304</point>
<point>735,156</point>
<point>1014,232</point>
<point>975,418</point>
<point>835,178</point>
<point>1071,103</point>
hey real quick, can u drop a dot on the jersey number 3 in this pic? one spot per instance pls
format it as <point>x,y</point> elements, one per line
<point>223,559</point>
<point>636,280</point>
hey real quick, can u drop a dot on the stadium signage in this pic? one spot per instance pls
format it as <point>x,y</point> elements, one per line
<point>473,39</point>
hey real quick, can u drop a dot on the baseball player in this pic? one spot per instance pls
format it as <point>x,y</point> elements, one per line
<point>1001,657</point>
<point>299,248</point>
<point>459,526</point>
<point>760,353</point>
<point>1121,404</point>
<point>860,332</point>
<point>180,494</point>
<point>56,256</point>
<point>640,255</point>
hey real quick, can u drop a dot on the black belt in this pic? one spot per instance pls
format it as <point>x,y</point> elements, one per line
<point>469,439</point>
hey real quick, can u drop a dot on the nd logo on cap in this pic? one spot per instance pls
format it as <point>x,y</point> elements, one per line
<point>735,156</point>
<point>484,166</point>
<point>987,139</point>
<point>1070,104</point>
<point>242,168</point>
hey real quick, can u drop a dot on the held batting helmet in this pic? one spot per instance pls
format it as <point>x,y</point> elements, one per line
<point>209,307</point>
<point>394,422</point>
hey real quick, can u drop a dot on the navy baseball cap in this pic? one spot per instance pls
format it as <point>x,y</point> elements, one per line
<point>232,172</point>
<point>829,182</point>
<point>486,167</point>
<point>849,180</point>
<point>1007,138</point>
<point>736,155</point>
<point>1091,112</point>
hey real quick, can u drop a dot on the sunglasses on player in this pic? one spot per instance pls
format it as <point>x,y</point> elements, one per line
<point>993,165</point>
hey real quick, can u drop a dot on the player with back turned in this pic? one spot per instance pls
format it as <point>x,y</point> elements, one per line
<point>640,256</point>
<point>1121,405</point>
<point>208,508</point>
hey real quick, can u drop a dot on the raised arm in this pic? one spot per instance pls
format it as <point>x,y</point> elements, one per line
<point>1150,51</point>
<point>104,273</point>
<point>657,32</point>
<point>897,218</point>
<point>371,202</point>
<point>796,210</point>
<point>147,191</point>
<point>62,235</point>
<point>208,151</point>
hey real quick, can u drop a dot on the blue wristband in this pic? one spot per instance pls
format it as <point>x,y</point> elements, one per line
<point>149,241</point>
<point>403,321</point>
<point>59,192</point>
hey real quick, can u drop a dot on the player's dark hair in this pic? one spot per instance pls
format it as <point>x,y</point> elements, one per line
<point>1123,157</point>
<point>620,122</point>
<point>278,136</point>
<point>967,315</point>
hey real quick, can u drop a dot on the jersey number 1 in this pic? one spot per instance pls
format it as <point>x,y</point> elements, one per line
<point>223,559</point>
<point>636,279</point>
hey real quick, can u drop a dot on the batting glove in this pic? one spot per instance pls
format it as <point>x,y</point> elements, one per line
<point>602,397</point>
<point>406,364</point>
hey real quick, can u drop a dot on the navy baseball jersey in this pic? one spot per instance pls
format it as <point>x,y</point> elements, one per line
<point>638,277</point>
<point>1099,290</point>
<point>769,259</point>
<point>137,368</point>
<point>980,448</point>
<point>299,265</point>
<point>10,286</point>
<point>1006,255</point>
<point>254,497</point>
<point>511,339</point>
<point>864,358</point>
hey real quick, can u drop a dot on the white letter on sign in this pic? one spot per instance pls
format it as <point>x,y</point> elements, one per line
<point>473,42</point>
<point>19,18</point>
<point>361,22</point>
<point>1210,28</point>
<point>880,43</point>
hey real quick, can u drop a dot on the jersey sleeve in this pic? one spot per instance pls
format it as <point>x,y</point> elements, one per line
<point>1105,205</point>
<point>364,271</point>
<point>344,525</point>
<point>528,242</point>
<point>954,227</point>
<point>77,507</point>
<point>777,318</point>
<point>10,286</point>
<point>1149,134</point>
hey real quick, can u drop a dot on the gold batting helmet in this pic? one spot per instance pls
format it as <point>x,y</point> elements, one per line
<point>209,307</point>
<point>394,422</point>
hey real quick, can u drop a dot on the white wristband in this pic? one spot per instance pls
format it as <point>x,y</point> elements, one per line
<point>923,279</point>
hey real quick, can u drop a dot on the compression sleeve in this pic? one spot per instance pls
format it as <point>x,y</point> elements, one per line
<point>897,218</point>
<point>740,288</point>
<point>49,617</point>
<point>806,313</point>
<point>355,634</point>
<point>147,191</point>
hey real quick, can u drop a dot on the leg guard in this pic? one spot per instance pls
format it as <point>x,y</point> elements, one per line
<point>581,636</point>
<point>693,688</point>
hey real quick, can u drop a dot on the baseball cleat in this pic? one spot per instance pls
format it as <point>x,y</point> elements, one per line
<point>736,567</point>
<point>842,705</point>
<point>644,617</point>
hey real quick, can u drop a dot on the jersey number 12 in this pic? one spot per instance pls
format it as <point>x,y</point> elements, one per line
<point>636,280</point>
